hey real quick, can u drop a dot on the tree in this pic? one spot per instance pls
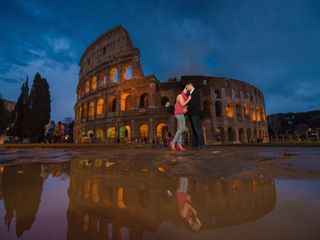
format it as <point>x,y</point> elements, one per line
<point>37,113</point>
<point>4,116</point>
<point>17,116</point>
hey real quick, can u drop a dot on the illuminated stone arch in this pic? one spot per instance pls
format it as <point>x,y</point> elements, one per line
<point>229,110</point>
<point>100,107</point>
<point>258,114</point>
<point>114,75</point>
<point>125,133</point>
<point>91,109</point>
<point>90,132</point>
<point>94,83</point>
<point>111,135</point>
<point>246,110</point>
<point>144,131</point>
<point>125,102</point>
<point>144,100</point>
<point>162,132</point>
<point>253,114</point>
<point>127,72</point>
<point>112,104</point>
<point>218,107</point>
<point>99,135</point>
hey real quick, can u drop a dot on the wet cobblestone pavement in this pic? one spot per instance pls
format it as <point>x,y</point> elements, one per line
<point>225,192</point>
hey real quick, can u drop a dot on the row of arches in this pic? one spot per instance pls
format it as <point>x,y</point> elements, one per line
<point>100,80</point>
<point>124,134</point>
<point>231,109</point>
<point>97,108</point>
<point>161,134</point>
<point>231,135</point>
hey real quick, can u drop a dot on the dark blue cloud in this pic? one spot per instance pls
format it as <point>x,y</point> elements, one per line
<point>273,44</point>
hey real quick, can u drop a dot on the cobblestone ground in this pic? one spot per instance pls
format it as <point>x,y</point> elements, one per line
<point>213,162</point>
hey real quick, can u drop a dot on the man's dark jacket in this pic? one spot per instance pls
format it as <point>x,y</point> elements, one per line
<point>194,106</point>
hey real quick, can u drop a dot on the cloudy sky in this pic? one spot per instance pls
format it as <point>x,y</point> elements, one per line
<point>272,44</point>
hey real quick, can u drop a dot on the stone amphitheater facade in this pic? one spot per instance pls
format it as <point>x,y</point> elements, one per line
<point>116,102</point>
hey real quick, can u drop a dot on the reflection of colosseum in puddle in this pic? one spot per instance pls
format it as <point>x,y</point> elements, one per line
<point>118,103</point>
<point>107,200</point>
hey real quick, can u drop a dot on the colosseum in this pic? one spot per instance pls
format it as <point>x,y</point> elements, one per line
<point>117,103</point>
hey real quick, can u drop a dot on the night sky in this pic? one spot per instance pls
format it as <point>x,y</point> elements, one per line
<point>272,44</point>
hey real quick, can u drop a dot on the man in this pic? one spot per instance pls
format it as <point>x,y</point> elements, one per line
<point>194,111</point>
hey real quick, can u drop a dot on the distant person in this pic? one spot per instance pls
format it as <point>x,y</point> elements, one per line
<point>49,132</point>
<point>180,110</point>
<point>46,132</point>
<point>194,112</point>
<point>60,132</point>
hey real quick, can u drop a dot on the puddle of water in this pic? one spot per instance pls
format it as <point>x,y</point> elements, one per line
<point>108,200</point>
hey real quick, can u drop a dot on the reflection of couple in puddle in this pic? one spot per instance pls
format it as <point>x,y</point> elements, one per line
<point>187,211</point>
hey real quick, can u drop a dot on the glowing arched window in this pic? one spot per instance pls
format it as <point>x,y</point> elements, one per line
<point>253,114</point>
<point>100,107</point>
<point>246,110</point>
<point>111,135</point>
<point>258,114</point>
<point>87,88</point>
<point>99,133</point>
<point>114,75</point>
<point>94,83</point>
<point>125,102</point>
<point>111,132</point>
<point>125,132</point>
<point>162,132</point>
<point>127,72</point>
<point>144,129</point>
<point>229,110</point>
<point>91,109</point>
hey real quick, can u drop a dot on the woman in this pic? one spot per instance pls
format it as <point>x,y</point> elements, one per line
<point>180,109</point>
<point>186,209</point>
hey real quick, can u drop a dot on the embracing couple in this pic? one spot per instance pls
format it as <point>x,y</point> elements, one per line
<point>187,103</point>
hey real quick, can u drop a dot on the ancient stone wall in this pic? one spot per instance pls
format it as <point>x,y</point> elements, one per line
<point>117,103</point>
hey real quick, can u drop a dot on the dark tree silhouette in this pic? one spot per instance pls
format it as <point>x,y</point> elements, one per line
<point>17,116</point>
<point>37,113</point>
<point>4,116</point>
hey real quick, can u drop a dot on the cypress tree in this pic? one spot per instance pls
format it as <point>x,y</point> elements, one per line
<point>17,116</point>
<point>38,109</point>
